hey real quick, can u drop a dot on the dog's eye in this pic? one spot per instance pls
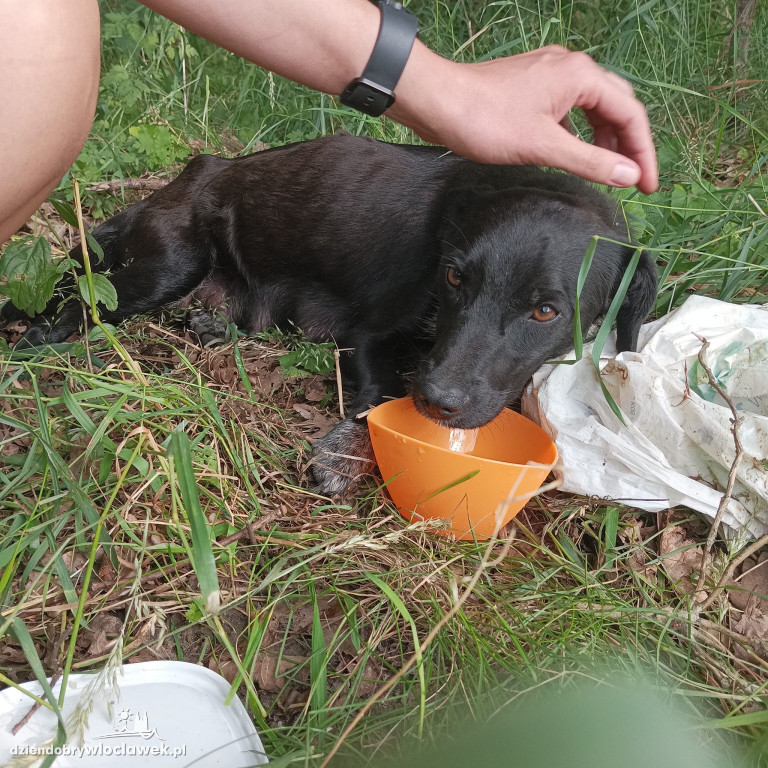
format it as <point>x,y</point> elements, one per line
<point>453,276</point>
<point>544,313</point>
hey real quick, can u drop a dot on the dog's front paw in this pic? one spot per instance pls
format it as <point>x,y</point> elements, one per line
<point>342,456</point>
<point>39,333</point>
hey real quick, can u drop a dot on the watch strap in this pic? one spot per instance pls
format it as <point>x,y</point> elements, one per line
<point>373,92</point>
<point>397,34</point>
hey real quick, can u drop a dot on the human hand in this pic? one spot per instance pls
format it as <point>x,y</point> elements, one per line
<point>511,110</point>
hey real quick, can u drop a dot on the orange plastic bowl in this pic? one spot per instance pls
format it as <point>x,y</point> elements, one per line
<point>467,477</point>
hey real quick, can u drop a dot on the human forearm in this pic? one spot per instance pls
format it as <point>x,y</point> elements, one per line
<point>321,45</point>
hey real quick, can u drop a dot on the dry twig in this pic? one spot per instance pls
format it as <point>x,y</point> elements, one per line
<point>721,507</point>
<point>118,185</point>
<point>24,720</point>
<point>337,361</point>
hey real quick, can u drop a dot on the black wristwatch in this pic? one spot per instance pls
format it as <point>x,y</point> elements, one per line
<point>374,91</point>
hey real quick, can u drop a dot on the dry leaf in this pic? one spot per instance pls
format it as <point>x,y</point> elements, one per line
<point>753,624</point>
<point>373,677</point>
<point>681,558</point>
<point>102,631</point>
<point>314,390</point>
<point>302,410</point>
<point>752,585</point>
<point>225,667</point>
<point>270,673</point>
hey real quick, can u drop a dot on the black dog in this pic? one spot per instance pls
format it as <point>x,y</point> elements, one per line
<point>411,257</point>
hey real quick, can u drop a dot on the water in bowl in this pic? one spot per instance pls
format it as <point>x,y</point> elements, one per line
<point>462,440</point>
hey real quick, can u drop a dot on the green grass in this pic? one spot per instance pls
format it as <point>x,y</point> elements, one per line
<point>130,506</point>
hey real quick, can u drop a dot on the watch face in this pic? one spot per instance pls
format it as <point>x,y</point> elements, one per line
<point>367,97</point>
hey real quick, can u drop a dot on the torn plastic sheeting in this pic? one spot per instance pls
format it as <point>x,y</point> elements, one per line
<point>677,447</point>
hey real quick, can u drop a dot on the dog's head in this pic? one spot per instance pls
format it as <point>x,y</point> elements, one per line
<point>507,285</point>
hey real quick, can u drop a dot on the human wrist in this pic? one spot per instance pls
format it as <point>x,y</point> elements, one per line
<point>424,95</point>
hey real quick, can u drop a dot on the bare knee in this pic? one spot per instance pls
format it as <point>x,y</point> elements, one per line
<point>49,74</point>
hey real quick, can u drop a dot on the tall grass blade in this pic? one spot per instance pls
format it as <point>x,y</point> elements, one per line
<point>402,609</point>
<point>19,630</point>
<point>605,328</point>
<point>586,263</point>
<point>318,668</point>
<point>202,557</point>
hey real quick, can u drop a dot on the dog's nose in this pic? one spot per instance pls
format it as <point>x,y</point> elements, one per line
<point>441,403</point>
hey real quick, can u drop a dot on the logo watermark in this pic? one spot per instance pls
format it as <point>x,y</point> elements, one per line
<point>131,724</point>
<point>101,750</point>
<point>128,729</point>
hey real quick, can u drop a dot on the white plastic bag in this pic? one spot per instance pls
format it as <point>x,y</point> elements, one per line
<point>677,446</point>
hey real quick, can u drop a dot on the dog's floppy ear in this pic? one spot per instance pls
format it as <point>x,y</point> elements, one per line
<point>638,302</point>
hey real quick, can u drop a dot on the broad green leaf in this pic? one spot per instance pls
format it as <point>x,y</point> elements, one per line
<point>94,247</point>
<point>103,290</point>
<point>65,210</point>
<point>312,358</point>
<point>159,143</point>
<point>28,274</point>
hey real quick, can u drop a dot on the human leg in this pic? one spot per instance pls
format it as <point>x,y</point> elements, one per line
<point>49,75</point>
